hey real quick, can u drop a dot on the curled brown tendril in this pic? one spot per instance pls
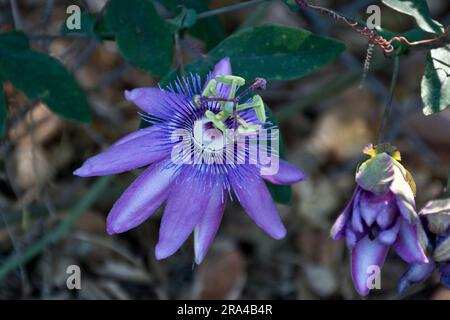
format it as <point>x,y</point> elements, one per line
<point>372,36</point>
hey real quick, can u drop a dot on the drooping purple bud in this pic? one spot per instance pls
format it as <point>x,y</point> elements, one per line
<point>381,214</point>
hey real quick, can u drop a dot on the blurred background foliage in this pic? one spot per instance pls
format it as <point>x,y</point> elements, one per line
<point>62,101</point>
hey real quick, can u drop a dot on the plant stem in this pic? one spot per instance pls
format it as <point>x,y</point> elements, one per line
<point>233,7</point>
<point>58,233</point>
<point>387,109</point>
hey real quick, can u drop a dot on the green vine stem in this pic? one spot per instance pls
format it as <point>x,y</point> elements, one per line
<point>388,108</point>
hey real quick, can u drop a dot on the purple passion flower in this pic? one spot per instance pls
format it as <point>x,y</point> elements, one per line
<point>435,217</point>
<point>380,214</point>
<point>194,185</point>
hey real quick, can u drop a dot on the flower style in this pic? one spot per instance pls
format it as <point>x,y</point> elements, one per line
<point>194,192</point>
<point>380,214</point>
<point>435,217</point>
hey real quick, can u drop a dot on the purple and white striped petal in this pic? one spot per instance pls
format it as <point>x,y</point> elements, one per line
<point>387,216</point>
<point>407,244</point>
<point>388,236</point>
<point>350,238</point>
<point>287,174</point>
<point>373,205</point>
<point>416,273</point>
<point>141,199</point>
<point>366,256</point>
<point>185,207</point>
<point>338,229</point>
<point>133,151</point>
<point>357,222</point>
<point>255,198</point>
<point>206,229</point>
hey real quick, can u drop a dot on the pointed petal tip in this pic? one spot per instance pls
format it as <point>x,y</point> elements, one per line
<point>110,230</point>
<point>299,177</point>
<point>78,172</point>
<point>162,252</point>
<point>362,291</point>
<point>113,227</point>
<point>83,171</point>
<point>402,286</point>
<point>199,258</point>
<point>408,246</point>
<point>222,67</point>
<point>130,95</point>
<point>416,273</point>
<point>278,234</point>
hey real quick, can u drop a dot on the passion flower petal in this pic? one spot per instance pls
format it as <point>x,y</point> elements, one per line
<point>256,200</point>
<point>184,210</point>
<point>207,228</point>
<point>287,174</point>
<point>141,199</point>
<point>131,152</point>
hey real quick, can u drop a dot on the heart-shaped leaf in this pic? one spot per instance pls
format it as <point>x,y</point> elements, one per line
<point>418,9</point>
<point>436,81</point>
<point>144,38</point>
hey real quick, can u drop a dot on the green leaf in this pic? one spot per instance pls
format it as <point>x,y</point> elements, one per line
<point>3,110</point>
<point>41,77</point>
<point>209,30</point>
<point>272,52</point>
<point>436,81</point>
<point>144,38</point>
<point>14,40</point>
<point>418,9</point>
<point>281,194</point>
<point>185,19</point>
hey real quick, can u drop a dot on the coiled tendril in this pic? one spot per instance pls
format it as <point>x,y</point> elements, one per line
<point>372,36</point>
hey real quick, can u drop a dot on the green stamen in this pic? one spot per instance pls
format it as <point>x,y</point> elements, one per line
<point>216,119</point>
<point>245,127</point>
<point>230,107</point>
<point>234,81</point>
<point>256,103</point>
<point>210,89</point>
